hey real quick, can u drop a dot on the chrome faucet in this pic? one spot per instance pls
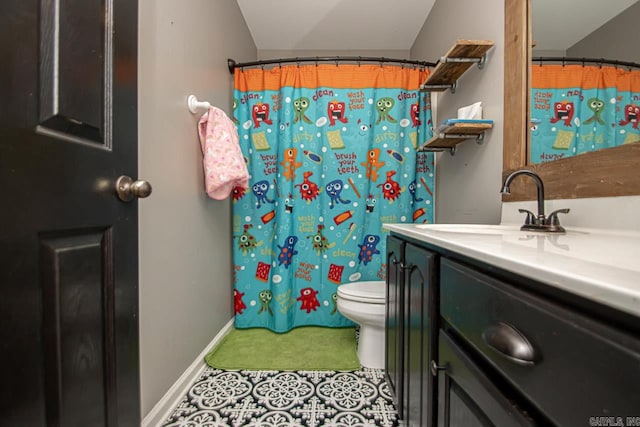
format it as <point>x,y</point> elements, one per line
<point>537,222</point>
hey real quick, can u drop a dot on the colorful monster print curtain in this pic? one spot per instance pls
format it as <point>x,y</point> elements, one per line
<point>577,109</point>
<point>331,151</point>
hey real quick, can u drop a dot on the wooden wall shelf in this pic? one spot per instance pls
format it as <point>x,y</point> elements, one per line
<point>455,63</point>
<point>446,138</point>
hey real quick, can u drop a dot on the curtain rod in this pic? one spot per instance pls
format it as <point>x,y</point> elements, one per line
<point>599,61</point>
<point>233,64</point>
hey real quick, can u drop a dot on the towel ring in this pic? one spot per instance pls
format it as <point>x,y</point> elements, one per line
<point>194,105</point>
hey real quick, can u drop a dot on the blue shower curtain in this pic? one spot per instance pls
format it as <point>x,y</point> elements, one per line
<point>331,151</point>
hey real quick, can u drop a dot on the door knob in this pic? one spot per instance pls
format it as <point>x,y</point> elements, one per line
<point>127,188</point>
<point>435,368</point>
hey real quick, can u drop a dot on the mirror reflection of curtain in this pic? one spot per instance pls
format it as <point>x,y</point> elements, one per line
<point>580,108</point>
<point>331,151</point>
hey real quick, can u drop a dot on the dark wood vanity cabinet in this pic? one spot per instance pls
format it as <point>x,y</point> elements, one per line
<point>556,363</point>
<point>494,351</point>
<point>409,343</point>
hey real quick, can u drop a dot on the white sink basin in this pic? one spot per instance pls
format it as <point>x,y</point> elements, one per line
<point>470,228</point>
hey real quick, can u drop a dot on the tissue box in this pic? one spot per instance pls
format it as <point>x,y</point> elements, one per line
<point>471,112</point>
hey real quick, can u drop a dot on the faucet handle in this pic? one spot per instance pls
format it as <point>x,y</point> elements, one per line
<point>553,219</point>
<point>530,219</point>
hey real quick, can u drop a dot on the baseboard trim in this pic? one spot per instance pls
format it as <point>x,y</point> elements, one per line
<point>179,389</point>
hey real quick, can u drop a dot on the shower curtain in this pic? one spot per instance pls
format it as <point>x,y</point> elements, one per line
<point>331,153</point>
<point>577,109</point>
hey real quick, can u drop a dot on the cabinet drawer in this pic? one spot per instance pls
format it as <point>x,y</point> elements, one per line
<point>467,396</point>
<point>580,367</point>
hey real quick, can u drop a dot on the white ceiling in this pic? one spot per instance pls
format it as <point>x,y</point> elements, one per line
<point>558,25</point>
<point>335,24</point>
<point>394,24</point>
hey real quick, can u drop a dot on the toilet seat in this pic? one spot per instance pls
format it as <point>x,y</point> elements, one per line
<point>373,292</point>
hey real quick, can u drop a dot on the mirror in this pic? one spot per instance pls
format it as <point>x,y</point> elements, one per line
<point>604,173</point>
<point>582,98</point>
<point>585,29</point>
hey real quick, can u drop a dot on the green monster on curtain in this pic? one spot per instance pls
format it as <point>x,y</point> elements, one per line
<point>576,109</point>
<point>331,153</point>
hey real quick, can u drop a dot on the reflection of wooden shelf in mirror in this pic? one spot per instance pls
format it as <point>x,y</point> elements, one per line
<point>462,55</point>
<point>453,134</point>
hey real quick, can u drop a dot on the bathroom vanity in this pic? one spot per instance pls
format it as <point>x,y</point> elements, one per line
<point>491,325</point>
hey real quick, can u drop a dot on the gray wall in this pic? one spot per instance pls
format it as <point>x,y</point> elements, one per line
<point>617,39</point>
<point>539,52</point>
<point>287,53</point>
<point>467,184</point>
<point>185,237</point>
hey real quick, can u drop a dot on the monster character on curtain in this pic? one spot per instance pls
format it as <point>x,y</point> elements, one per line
<point>331,151</point>
<point>577,109</point>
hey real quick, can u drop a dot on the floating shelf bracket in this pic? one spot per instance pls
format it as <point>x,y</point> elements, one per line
<point>455,63</point>
<point>447,138</point>
<point>451,150</point>
<point>479,61</point>
<point>439,88</point>
<point>479,138</point>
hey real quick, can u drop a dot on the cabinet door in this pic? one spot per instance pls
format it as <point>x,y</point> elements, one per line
<point>394,319</point>
<point>419,310</point>
<point>530,340</point>
<point>467,397</point>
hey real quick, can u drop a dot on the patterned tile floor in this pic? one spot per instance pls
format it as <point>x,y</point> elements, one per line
<point>283,398</point>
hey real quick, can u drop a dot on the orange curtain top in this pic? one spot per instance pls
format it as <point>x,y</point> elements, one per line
<point>344,76</point>
<point>585,77</point>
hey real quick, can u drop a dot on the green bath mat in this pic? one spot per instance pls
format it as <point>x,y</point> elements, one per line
<point>307,348</point>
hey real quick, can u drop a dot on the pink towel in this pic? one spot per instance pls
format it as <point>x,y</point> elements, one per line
<point>224,166</point>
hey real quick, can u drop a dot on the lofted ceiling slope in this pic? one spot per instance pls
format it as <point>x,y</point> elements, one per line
<point>335,24</point>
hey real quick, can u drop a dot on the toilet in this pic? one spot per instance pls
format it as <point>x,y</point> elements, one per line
<point>364,304</point>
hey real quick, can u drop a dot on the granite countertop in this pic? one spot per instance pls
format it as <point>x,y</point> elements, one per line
<point>600,265</point>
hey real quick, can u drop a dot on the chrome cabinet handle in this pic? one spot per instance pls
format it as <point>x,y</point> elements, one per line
<point>401,265</point>
<point>510,343</point>
<point>127,188</point>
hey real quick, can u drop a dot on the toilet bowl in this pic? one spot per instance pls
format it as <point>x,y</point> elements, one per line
<point>364,304</point>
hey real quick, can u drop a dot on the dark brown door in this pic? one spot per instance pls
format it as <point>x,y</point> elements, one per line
<point>68,245</point>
